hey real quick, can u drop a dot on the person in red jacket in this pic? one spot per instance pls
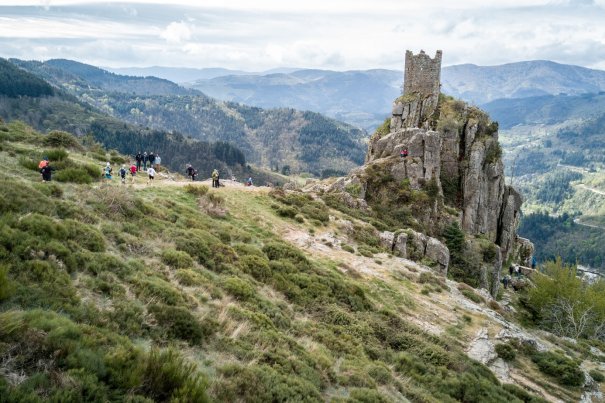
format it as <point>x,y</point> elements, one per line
<point>133,172</point>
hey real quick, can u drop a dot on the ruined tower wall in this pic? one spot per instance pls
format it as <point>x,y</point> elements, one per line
<point>422,74</point>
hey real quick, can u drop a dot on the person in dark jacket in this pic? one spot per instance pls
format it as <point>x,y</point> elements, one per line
<point>151,159</point>
<point>145,160</point>
<point>46,172</point>
<point>190,172</point>
<point>139,159</point>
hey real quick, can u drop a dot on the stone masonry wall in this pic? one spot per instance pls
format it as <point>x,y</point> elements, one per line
<point>422,74</point>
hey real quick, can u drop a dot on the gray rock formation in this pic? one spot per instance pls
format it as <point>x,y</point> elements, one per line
<point>416,245</point>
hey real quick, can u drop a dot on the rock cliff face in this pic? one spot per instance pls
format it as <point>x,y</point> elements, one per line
<point>453,155</point>
<point>460,152</point>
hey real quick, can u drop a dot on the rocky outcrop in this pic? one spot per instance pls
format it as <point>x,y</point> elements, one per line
<point>416,245</point>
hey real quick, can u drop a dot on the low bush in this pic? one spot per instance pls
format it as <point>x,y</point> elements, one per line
<point>57,138</point>
<point>506,351</point>
<point>169,377</point>
<point>177,259</point>
<point>286,211</point>
<point>256,266</point>
<point>56,155</point>
<point>348,248</point>
<point>596,375</point>
<point>177,322</point>
<point>239,288</point>
<point>189,278</point>
<point>196,190</point>
<point>156,289</point>
<point>74,175</point>
<point>6,288</point>
<point>565,370</point>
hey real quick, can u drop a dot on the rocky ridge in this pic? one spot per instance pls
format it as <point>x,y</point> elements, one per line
<point>452,154</point>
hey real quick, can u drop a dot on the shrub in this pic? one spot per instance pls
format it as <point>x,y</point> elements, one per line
<point>256,266</point>
<point>57,138</point>
<point>365,395</point>
<point>473,296</point>
<point>239,288</point>
<point>280,250</point>
<point>56,155</point>
<point>177,322</point>
<point>597,375</point>
<point>74,175</point>
<point>505,351</point>
<point>169,377</point>
<point>565,370</point>
<point>196,190</point>
<point>286,211</point>
<point>189,278</point>
<point>92,170</point>
<point>86,235</point>
<point>177,259</point>
<point>6,288</point>
<point>348,248</point>
<point>156,289</point>
<point>365,251</point>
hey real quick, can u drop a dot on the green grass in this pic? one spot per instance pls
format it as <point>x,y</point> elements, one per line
<point>102,284</point>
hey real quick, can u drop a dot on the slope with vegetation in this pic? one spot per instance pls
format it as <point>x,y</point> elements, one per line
<point>305,141</point>
<point>114,292</point>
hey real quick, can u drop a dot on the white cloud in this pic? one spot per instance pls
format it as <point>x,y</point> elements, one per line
<point>338,34</point>
<point>177,32</point>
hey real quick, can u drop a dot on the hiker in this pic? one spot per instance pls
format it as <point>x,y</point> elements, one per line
<point>215,178</point>
<point>193,175</point>
<point>41,166</point>
<point>190,172</point>
<point>158,161</point>
<point>404,153</point>
<point>151,173</point>
<point>517,271</point>
<point>46,172</point>
<point>145,159</point>
<point>511,269</point>
<point>133,172</point>
<point>249,181</point>
<point>151,159</point>
<point>123,174</point>
<point>107,171</point>
<point>533,263</point>
<point>43,163</point>
<point>505,281</point>
<point>139,159</point>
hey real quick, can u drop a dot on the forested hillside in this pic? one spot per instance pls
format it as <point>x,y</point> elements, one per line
<point>44,108</point>
<point>273,138</point>
<point>14,82</point>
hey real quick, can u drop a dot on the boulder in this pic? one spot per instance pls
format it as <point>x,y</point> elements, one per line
<point>400,244</point>
<point>387,239</point>
<point>437,251</point>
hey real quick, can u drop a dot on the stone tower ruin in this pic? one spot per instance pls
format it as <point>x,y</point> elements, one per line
<point>417,107</point>
<point>422,74</point>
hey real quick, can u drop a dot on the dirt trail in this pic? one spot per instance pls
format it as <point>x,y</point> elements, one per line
<point>593,190</point>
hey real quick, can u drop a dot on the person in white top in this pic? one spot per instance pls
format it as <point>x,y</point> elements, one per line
<point>151,173</point>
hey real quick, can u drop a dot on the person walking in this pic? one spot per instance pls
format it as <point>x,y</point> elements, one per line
<point>123,174</point>
<point>151,158</point>
<point>107,171</point>
<point>151,173</point>
<point>133,172</point>
<point>158,161</point>
<point>190,172</point>
<point>249,181</point>
<point>41,166</point>
<point>145,160</point>
<point>139,159</point>
<point>46,172</point>
<point>215,178</point>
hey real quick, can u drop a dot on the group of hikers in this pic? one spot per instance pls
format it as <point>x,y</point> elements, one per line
<point>514,270</point>
<point>144,159</point>
<point>150,164</point>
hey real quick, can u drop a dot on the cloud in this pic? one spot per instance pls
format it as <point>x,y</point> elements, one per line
<point>337,34</point>
<point>177,32</point>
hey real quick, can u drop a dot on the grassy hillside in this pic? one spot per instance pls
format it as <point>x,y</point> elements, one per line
<point>273,138</point>
<point>171,292</point>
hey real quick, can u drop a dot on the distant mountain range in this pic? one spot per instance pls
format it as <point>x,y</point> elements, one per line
<point>363,98</point>
<point>304,141</point>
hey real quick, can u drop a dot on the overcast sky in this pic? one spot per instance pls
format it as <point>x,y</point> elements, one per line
<point>257,35</point>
